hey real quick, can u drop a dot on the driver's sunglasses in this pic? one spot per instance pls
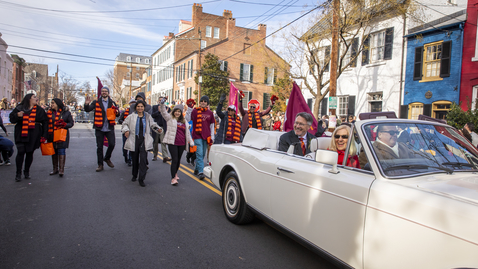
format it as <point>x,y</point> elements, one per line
<point>343,136</point>
<point>392,133</point>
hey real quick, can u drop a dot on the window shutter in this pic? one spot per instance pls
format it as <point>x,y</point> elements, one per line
<point>241,73</point>
<point>252,75</point>
<point>265,76</point>
<point>191,70</point>
<point>351,107</point>
<point>275,77</point>
<point>266,100</point>
<point>404,112</point>
<point>327,58</point>
<point>309,103</point>
<point>225,66</point>
<point>365,51</point>
<point>250,96</point>
<point>388,44</point>
<point>354,52</point>
<point>323,103</point>
<point>417,67</point>
<point>445,59</point>
<point>427,110</point>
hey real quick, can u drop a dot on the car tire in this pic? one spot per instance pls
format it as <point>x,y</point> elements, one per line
<point>233,202</point>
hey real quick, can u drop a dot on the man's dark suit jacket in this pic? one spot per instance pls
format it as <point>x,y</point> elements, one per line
<point>290,138</point>
<point>404,137</point>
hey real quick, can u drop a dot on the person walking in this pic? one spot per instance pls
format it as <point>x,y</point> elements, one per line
<point>177,137</point>
<point>158,118</point>
<point>203,130</point>
<point>126,154</point>
<point>59,117</point>
<point>30,125</point>
<point>4,104</point>
<point>140,141</point>
<point>104,126</point>
<point>229,131</point>
<point>252,118</point>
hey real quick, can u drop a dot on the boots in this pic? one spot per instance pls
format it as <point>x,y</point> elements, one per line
<point>18,177</point>
<point>26,174</point>
<point>62,160</point>
<point>54,159</point>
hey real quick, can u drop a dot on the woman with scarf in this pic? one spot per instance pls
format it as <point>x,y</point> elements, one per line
<point>137,129</point>
<point>59,118</point>
<point>177,137</point>
<point>31,123</point>
<point>338,144</point>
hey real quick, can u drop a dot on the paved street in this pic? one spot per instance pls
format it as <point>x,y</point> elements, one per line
<point>103,220</point>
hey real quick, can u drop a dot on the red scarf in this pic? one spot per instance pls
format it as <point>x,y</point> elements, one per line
<point>233,130</point>
<point>198,128</point>
<point>29,121</point>
<point>258,120</point>
<point>98,122</point>
<point>51,126</point>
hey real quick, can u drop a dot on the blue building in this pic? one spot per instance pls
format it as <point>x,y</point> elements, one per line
<point>433,67</point>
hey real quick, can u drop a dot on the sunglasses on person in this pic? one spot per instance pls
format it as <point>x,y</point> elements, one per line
<point>343,136</point>
<point>392,133</point>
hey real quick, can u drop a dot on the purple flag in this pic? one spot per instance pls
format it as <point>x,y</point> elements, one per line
<point>100,86</point>
<point>295,105</point>
<point>233,96</point>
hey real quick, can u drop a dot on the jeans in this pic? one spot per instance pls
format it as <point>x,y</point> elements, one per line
<point>60,151</point>
<point>200,153</point>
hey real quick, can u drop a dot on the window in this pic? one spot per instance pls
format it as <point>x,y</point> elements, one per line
<point>138,60</point>
<point>128,58</point>
<point>375,101</point>
<point>203,44</point>
<point>208,31</point>
<point>474,95</point>
<point>343,106</point>
<point>440,109</point>
<point>216,32</point>
<point>247,49</point>
<point>183,73</point>
<point>246,99</point>
<point>451,2</point>
<point>432,61</point>
<point>137,75</point>
<point>223,66</point>
<point>189,93</point>
<point>350,53</point>
<point>138,68</point>
<point>146,61</point>
<point>322,56</point>
<point>246,72</point>
<point>269,76</point>
<point>378,46</point>
<point>154,79</point>
<point>415,109</point>
<point>191,68</point>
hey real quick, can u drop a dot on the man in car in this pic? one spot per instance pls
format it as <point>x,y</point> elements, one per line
<point>299,137</point>
<point>386,145</point>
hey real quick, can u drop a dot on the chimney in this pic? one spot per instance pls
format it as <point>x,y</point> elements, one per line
<point>197,14</point>
<point>262,28</point>
<point>171,35</point>
<point>227,14</point>
<point>231,24</point>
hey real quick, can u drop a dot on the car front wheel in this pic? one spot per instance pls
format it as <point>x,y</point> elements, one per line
<point>233,202</point>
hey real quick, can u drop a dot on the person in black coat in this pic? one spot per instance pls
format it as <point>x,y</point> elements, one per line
<point>158,118</point>
<point>31,123</point>
<point>234,128</point>
<point>59,118</point>
<point>299,137</point>
<point>103,126</point>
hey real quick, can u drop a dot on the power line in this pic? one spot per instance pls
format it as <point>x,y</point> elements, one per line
<point>68,54</point>
<point>263,4</point>
<point>55,58</point>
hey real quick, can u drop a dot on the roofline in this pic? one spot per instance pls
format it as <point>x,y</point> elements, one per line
<point>435,29</point>
<point>183,32</point>
<point>278,56</point>
<point>173,38</point>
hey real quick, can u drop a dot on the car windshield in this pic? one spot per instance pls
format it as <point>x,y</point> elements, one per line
<point>403,149</point>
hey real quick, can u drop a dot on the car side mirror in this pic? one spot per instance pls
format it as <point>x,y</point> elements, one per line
<point>328,157</point>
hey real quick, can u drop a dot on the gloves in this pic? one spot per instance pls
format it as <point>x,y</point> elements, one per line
<point>274,99</point>
<point>190,103</point>
<point>42,140</point>
<point>241,95</point>
<point>209,141</point>
<point>222,98</point>
<point>60,123</point>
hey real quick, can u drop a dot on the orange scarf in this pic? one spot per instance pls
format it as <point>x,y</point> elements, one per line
<point>50,120</point>
<point>126,113</point>
<point>258,120</point>
<point>29,121</point>
<point>233,134</point>
<point>98,122</point>
<point>198,128</point>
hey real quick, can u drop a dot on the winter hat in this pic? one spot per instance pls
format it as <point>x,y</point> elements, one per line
<point>140,94</point>
<point>233,107</point>
<point>106,88</point>
<point>59,103</point>
<point>180,107</point>
<point>204,98</point>
<point>132,101</point>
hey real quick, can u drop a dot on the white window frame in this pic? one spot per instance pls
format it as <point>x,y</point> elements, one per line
<point>128,58</point>
<point>203,44</point>
<point>216,32</point>
<point>208,31</point>
<point>474,95</point>
<point>348,55</point>
<point>374,97</point>
<point>146,61</point>
<point>270,76</point>
<point>245,100</point>
<point>415,109</point>
<point>342,105</point>
<point>248,77</point>
<point>138,60</point>
<point>377,46</point>
<point>475,59</point>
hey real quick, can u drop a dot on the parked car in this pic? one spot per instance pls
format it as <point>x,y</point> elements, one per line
<point>418,210</point>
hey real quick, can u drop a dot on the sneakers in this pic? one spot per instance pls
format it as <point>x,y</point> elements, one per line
<point>201,176</point>
<point>7,163</point>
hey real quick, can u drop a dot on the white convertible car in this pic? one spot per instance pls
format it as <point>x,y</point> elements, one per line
<point>414,212</point>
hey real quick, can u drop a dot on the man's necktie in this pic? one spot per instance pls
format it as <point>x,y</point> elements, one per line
<point>302,145</point>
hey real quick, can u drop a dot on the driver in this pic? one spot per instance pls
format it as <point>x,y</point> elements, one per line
<point>386,145</point>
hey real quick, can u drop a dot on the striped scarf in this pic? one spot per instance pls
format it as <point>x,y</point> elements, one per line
<point>29,121</point>
<point>126,113</point>
<point>198,128</point>
<point>233,129</point>
<point>51,126</point>
<point>258,120</point>
<point>99,116</point>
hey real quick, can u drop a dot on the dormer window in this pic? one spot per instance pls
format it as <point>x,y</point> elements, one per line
<point>138,60</point>
<point>128,58</point>
<point>146,61</point>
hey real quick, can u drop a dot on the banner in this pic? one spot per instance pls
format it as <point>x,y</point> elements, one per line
<point>295,105</point>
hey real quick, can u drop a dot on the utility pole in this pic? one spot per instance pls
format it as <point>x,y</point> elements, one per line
<point>199,63</point>
<point>334,53</point>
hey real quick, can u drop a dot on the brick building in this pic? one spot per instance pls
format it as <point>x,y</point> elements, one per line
<point>128,67</point>
<point>251,68</point>
<point>36,81</point>
<point>6,65</point>
<point>18,78</point>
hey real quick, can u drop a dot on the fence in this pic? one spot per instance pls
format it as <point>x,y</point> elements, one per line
<point>84,117</point>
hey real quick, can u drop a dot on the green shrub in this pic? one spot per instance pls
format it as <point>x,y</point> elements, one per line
<point>458,118</point>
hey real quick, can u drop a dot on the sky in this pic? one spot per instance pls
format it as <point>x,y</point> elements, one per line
<point>99,30</point>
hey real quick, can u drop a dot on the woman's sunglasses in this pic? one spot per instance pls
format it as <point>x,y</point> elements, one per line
<point>343,136</point>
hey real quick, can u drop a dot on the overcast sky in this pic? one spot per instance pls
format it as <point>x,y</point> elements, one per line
<point>105,28</point>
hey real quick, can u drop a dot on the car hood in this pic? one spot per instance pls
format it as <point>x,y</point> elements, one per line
<point>461,186</point>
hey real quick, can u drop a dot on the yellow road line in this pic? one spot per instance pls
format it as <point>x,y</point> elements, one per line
<point>203,182</point>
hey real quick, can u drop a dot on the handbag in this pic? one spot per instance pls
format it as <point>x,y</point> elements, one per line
<point>59,135</point>
<point>47,149</point>
<point>111,114</point>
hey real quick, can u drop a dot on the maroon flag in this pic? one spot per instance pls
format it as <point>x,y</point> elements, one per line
<point>100,86</point>
<point>295,105</point>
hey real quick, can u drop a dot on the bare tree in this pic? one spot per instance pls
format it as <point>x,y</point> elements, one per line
<point>115,87</point>
<point>307,46</point>
<point>70,89</point>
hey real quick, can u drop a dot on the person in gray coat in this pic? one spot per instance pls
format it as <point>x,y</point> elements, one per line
<point>137,128</point>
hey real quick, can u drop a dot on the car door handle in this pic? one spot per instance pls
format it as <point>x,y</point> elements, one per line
<point>285,170</point>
